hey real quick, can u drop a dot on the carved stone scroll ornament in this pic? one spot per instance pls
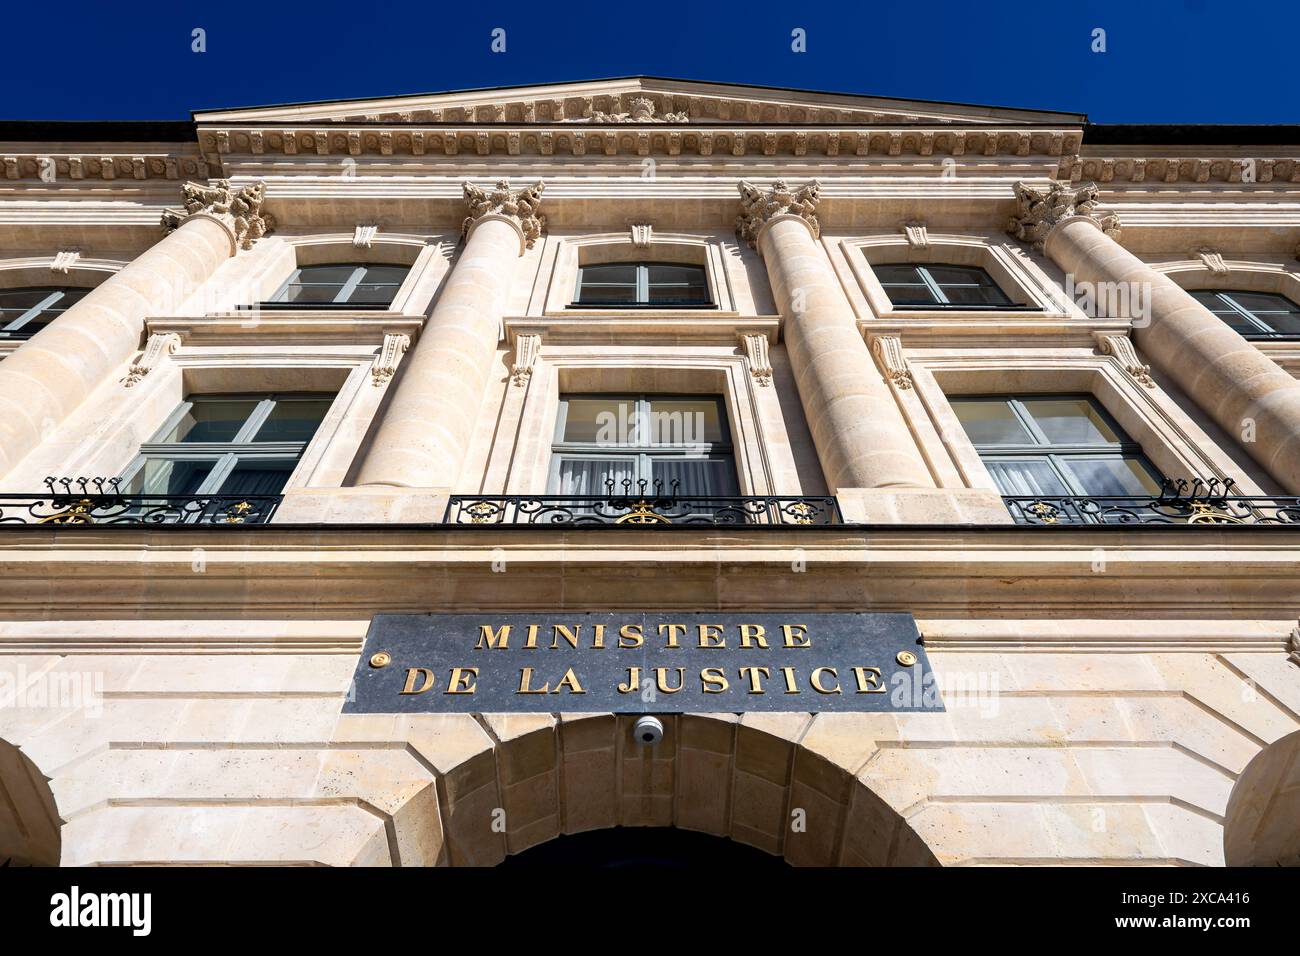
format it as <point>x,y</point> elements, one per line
<point>385,363</point>
<point>758,206</point>
<point>160,345</point>
<point>1121,346</point>
<point>888,350</point>
<point>1038,210</point>
<point>528,345</point>
<point>518,205</point>
<point>1212,260</point>
<point>756,356</point>
<point>238,208</point>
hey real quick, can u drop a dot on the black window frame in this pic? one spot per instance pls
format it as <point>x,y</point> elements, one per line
<point>936,289</point>
<point>643,284</point>
<point>347,286</point>
<point>1057,455</point>
<point>642,455</point>
<point>225,456</point>
<point>1262,330</point>
<point>27,323</point>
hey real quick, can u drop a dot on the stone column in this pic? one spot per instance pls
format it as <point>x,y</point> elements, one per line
<point>425,431</point>
<point>56,369</point>
<point>1240,387</point>
<point>859,431</point>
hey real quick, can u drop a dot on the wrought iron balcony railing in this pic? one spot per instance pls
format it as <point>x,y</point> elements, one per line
<point>1178,502</point>
<point>641,504</point>
<point>97,501</point>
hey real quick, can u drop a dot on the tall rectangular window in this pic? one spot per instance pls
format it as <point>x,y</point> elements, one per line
<point>227,445</point>
<point>663,285</point>
<point>1055,445</point>
<point>612,444</point>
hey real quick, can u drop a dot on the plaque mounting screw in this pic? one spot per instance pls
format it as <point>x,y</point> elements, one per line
<point>382,659</point>
<point>906,658</point>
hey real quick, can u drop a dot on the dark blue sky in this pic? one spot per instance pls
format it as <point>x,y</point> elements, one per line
<point>1172,61</point>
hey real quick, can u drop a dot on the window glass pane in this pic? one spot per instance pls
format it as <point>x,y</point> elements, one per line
<point>1026,476</point>
<point>1070,421</point>
<point>608,295</point>
<point>309,294</point>
<point>608,421</point>
<point>896,272</point>
<point>591,476</point>
<point>257,478</point>
<point>684,421</point>
<point>293,420</point>
<point>163,476</point>
<point>620,273</point>
<point>369,294</point>
<point>991,422</point>
<point>684,284</point>
<point>1211,300</point>
<point>702,477</point>
<point>1263,302</point>
<point>209,421</point>
<point>958,275</point>
<point>334,275</point>
<point>1124,477</point>
<point>391,275</point>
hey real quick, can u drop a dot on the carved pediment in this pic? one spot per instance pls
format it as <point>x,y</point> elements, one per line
<point>637,100</point>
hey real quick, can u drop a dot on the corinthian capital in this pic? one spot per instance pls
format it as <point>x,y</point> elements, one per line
<point>1038,210</point>
<point>239,209</point>
<point>759,206</point>
<point>518,205</point>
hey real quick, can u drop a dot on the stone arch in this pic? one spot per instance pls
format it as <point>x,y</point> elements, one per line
<point>1262,822</point>
<point>38,271</point>
<point>30,833</point>
<point>748,780</point>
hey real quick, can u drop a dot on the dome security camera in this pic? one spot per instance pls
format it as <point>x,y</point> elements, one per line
<point>648,731</point>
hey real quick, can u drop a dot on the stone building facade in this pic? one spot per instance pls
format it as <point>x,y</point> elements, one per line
<point>1030,380</point>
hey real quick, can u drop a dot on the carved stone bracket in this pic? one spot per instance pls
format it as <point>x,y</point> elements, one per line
<point>1038,210</point>
<point>888,350</point>
<point>385,363</point>
<point>1121,346</point>
<point>518,205</point>
<point>363,236</point>
<point>528,345</point>
<point>159,346</point>
<point>641,233</point>
<point>1293,645</point>
<point>64,260</point>
<point>1212,260</point>
<point>759,206</point>
<point>917,235</point>
<point>756,356</point>
<point>239,209</point>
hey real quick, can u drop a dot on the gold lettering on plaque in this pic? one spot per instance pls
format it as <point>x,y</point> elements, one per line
<point>661,674</point>
<point>796,635</point>
<point>562,631</point>
<point>526,678</point>
<point>714,681</point>
<point>674,632</point>
<point>711,635</point>
<point>498,638</point>
<point>633,683</point>
<point>753,632</point>
<point>755,683</point>
<point>630,635</point>
<point>790,686</point>
<point>569,680</point>
<point>461,680</point>
<point>411,677</point>
<point>816,680</point>
<point>532,636</point>
<point>868,680</point>
<point>598,642</point>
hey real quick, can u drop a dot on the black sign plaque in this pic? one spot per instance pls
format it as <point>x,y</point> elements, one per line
<point>642,662</point>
